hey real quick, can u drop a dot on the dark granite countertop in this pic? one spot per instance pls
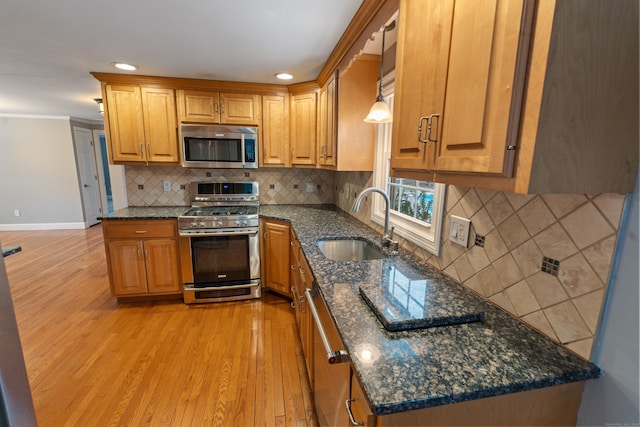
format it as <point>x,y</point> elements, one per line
<point>10,250</point>
<point>415,369</point>
<point>147,212</point>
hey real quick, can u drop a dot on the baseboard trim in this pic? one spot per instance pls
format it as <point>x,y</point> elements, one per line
<point>44,226</point>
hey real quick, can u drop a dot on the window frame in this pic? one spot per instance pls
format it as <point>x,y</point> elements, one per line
<point>427,236</point>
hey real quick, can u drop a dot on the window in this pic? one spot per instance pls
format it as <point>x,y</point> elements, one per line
<point>416,206</point>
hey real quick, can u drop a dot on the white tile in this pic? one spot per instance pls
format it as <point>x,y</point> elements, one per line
<point>555,243</point>
<point>536,216</point>
<point>522,299</point>
<point>499,208</point>
<point>513,232</point>
<point>586,226</point>
<point>507,271</point>
<point>539,321</point>
<point>562,204</point>
<point>600,257</point>
<point>547,289</point>
<point>577,276</point>
<point>528,257</point>
<point>610,204</point>
<point>567,322</point>
<point>589,306</point>
<point>518,200</point>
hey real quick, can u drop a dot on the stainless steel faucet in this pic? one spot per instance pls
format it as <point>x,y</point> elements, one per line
<point>387,238</point>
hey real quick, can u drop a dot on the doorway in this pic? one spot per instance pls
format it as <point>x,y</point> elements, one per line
<point>88,175</point>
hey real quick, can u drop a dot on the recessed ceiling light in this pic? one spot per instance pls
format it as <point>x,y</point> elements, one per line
<point>284,76</point>
<point>124,66</point>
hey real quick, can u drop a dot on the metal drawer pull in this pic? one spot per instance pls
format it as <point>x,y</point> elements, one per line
<point>332,356</point>
<point>141,231</point>
<point>347,403</point>
<point>420,120</point>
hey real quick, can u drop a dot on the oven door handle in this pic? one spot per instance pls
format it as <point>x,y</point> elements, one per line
<point>191,287</point>
<point>212,232</point>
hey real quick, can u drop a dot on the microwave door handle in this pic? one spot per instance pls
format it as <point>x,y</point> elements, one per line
<point>242,149</point>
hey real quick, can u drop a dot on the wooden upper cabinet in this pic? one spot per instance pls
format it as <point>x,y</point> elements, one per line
<point>275,131</point>
<point>242,109</point>
<point>327,115</point>
<point>487,96</point>
<point>126,123</point>
<point>345,141</point>
<point>141,124</point>
<point>217,107</point>
<point>160,127</point>
<point>459,82</point>
<point>304,108</point>
<point>198,106</point>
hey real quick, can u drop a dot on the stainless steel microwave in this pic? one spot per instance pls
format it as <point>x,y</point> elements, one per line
<point>219,146</point>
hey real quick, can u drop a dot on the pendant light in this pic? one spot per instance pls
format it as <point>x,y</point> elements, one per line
<point>380,112</point>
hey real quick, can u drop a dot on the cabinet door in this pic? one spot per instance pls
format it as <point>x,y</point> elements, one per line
<point>161,132</point>
<point>275,132</point>
<point>359,407</point>
<point>327,122</point>
<point>199,106</point>
<point>128,274</point>
<point>240,109</point>
<point>161,261</point>
<point>480,63</point>
<point>277,242</point>
<point>303,129</point>
<point>126,124</point>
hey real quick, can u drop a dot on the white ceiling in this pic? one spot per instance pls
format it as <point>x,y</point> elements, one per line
<point>48,48</point>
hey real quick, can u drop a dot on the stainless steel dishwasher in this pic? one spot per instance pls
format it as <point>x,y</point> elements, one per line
<point>331,368</point>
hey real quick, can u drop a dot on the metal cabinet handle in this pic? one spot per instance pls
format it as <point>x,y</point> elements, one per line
<point>221,108</point>
<point>420,120</point>
<point>146,254</point>
<point>429,121</point>
<point>347,404</point>
<point>332,356</point>
<point>430,125</point>
<point>141,231</point>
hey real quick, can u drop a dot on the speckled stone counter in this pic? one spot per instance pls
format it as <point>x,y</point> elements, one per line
<point>427,367</point>
<point>148,212</point>
<point>10,250</point>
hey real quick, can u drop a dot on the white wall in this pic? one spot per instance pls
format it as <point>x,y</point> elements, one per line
<point>613,399</point>
<point>38,174</point>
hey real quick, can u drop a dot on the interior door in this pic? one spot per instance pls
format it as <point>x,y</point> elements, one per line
<point>88,175</point>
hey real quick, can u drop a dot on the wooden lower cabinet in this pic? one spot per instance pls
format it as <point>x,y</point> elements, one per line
<point>275,256</point>
<point>300,281</point>
<point>549,406</point>
<point>142,257</point>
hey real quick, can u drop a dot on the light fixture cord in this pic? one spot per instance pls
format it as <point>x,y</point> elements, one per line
<point>380,97</point>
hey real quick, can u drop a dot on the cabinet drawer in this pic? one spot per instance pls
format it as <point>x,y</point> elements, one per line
<point>139,229</point>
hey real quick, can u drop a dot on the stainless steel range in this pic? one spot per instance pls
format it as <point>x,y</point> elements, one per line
<point>224,235</point>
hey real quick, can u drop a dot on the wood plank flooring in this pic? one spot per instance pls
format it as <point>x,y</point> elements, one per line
<point>92,361</point>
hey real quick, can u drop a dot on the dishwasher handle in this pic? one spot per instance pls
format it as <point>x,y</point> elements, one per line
<point>333,357</point>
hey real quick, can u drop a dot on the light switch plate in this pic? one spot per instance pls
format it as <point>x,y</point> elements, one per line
<point>459,230</point>
<point>166,185</point>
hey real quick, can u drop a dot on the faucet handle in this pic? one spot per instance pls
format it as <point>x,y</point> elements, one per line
<point>390,236</point>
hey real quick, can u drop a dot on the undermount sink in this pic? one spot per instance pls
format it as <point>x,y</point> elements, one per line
<point>349,250</point>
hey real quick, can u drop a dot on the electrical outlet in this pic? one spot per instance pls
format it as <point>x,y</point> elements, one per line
<point>166,184</point>
<point>459,230</point>
<point>16,212</point>
<point>309,186</point>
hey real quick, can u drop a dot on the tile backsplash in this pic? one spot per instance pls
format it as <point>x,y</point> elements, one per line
<point>571,236</point>
<point>277,186</point>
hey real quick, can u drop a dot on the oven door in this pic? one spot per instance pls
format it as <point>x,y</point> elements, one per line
<point>225,265</point>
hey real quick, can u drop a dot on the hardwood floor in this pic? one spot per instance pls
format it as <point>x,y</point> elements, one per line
<point>93,361</point>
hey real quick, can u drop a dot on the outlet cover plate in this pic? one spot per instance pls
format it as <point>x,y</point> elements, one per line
<point>166,185</point>
<point>459,230</point>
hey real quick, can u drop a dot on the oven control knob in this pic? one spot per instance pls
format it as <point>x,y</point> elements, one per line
<point>245,223</point>
<point>219,223</point>
<point>193,224</point>
<point>202,224</point>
